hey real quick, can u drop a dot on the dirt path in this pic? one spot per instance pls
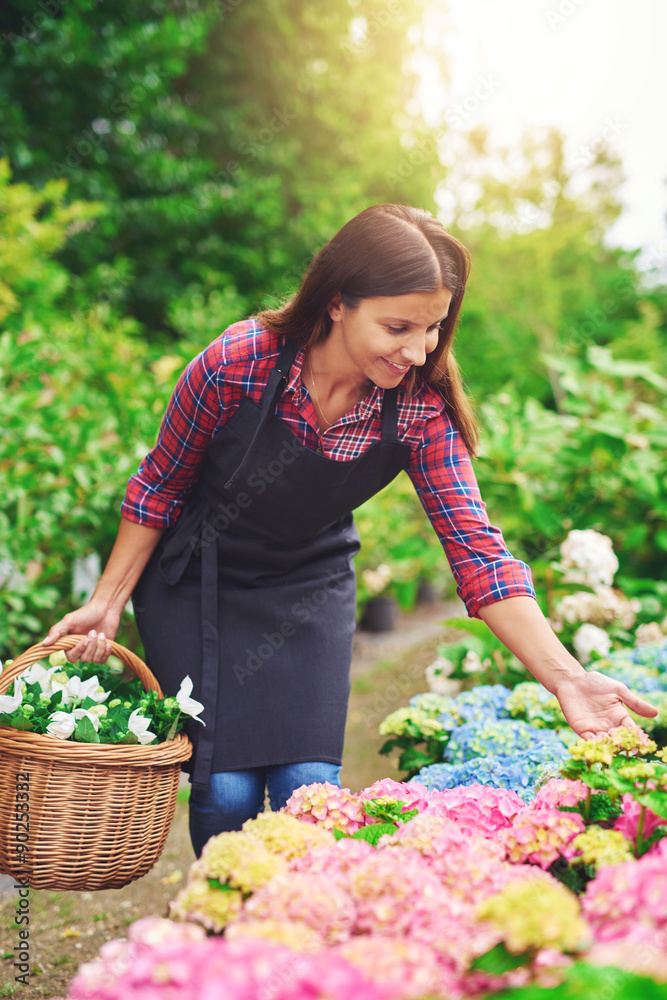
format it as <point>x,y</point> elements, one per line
<point>68,928</point>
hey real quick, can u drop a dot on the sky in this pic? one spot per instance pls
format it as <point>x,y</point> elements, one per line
<point>593,68</point>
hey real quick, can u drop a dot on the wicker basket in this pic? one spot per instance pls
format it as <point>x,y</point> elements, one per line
<point>98,814</point>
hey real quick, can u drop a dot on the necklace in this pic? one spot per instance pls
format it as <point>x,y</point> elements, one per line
<point>317,398</point>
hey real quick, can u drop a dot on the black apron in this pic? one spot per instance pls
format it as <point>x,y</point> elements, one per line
<point>252,591</point>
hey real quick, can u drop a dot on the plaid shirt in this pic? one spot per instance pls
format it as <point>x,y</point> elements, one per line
<point>237,365</point>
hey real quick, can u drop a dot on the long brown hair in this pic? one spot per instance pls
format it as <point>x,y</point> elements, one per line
<point>387,250</point>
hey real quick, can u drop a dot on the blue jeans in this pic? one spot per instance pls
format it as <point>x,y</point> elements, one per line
<point>232,797</point>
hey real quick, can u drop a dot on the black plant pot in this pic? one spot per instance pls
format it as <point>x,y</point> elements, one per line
<point>427,592</point>
<point>379,614</point>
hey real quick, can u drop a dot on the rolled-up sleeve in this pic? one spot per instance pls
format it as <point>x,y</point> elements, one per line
<point>155,493</point>
<point>442,474</point>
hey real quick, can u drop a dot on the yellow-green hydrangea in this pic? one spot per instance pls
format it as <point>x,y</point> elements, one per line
<point>600,847</point>
<point>397,723</point>
<point>240,859</point>
<point>286,835</point>
<point>600,751</point>
<point>294,934</point>
<point>204,904</point>
<point>534,914</point>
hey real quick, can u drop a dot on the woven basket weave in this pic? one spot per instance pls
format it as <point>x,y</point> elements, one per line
<point>98,814</point>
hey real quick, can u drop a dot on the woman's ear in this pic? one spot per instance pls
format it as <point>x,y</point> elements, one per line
<point>335,308</point>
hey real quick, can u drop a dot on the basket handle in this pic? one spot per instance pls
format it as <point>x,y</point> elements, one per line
<point>39,652</point>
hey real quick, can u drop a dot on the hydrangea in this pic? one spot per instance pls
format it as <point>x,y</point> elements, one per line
<point>531,916</point>
<point>623,897</point>
<point>491,696</point>
<point>316,900</point>
<point>654,655</point>
<point>519,772</point>
<point>406,968</point>
<point>414,796</point>
<point>601,608</point>
<point>293,934</point>
<point>637,678</point>
<point>435,834</point>
<point>589,557</point>
<point>398,722</point>
<point>477,809</point>
<point>336,861</point>
<point>533,703</point>
<point>240,859</point>
<point>599,847</point>
<point>207,905</point>
<point>590,639</point>
<point>191,969</point>
<point>628,822</point>
<point>559,792</point>
<point>504,736</point>
<point>432,703</point>
<point>286,835</point>
<point>540,835</point>
<point>327,805</point>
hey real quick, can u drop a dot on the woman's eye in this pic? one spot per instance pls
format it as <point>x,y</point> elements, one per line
<point>397,329</point>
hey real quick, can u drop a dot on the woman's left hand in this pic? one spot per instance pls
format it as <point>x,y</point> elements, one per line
<point>593,704</point>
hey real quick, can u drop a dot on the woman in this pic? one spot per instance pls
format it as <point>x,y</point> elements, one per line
<point>236,541</point>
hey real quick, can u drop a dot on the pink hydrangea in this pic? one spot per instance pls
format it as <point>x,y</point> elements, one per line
<point>316,900</point>
<point>414,795</point>
<point>408,969</point>
<point>477,809</point>
<point>336,861</point>
<point>626,896</point>
<point>643,951</point>
<point>190,969</point>
<point>541,835</point>
<point>559,792</point>
<point>327,805</point>
<point>628,821</point>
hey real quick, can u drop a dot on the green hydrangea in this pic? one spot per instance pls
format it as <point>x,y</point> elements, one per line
<point>286,835</point>
<point>533,703</point>
<point>204,904</point>
<point>239,859</point>
<point>433,704</point>
<point>405,719</point>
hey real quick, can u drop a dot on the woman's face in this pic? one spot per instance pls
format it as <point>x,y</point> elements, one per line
<point>384,337</point>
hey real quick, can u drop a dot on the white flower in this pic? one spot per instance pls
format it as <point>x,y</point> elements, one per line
<point>138,724</point>
<point>648,633</point>
<point>590,639</point>
<point>472,664</point>
<point>601,608</point>
<point>10,702</point>
<point>188,705</point>
<point>590,558</point>
<point>58,658</point>
<point>38,674</point>
<point>376,580</point>
<point>76,688</point>
<point>63,724</point>
<point>437,676</point>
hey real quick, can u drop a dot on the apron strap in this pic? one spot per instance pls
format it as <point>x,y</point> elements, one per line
<point>274,387</point>
<point>210,665</point>
<point>390,416</point>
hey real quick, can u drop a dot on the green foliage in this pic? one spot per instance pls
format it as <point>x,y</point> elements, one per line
<point>583,982</point>
<point>599,463</point>
<point>499,960</point>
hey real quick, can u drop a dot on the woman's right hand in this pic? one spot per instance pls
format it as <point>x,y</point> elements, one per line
<point>98,622</point>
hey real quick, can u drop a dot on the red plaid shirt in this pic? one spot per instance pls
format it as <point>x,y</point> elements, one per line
<point>237,365</point>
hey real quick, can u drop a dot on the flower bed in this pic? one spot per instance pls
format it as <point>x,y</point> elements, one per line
<point>402,892</point>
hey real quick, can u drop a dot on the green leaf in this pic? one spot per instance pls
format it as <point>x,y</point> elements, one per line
<point>656,802</point>
<point>372,833</point>
<point>499,960</point>
<point>85,731</point>
<point>338,834</point>
<point>413,760</point>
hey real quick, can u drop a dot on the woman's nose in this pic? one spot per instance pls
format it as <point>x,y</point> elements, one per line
<point>414,352</point>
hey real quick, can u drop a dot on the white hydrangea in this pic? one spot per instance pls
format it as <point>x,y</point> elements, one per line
<point>590,639</point>
<point>604,607</point>
<point>648,633</point>
<point>376,580</point>
<point>589,557</point>
<point>438,677</point>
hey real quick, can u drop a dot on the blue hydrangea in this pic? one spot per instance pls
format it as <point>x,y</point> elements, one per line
<point>650,655</point>
<point>467,713</point>
<point>499,736</point>
<point>489,696</point>
<point>518,772</point>
<point>637,678</point>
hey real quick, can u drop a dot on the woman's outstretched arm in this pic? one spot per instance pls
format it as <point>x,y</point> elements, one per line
<point>591,702</point>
